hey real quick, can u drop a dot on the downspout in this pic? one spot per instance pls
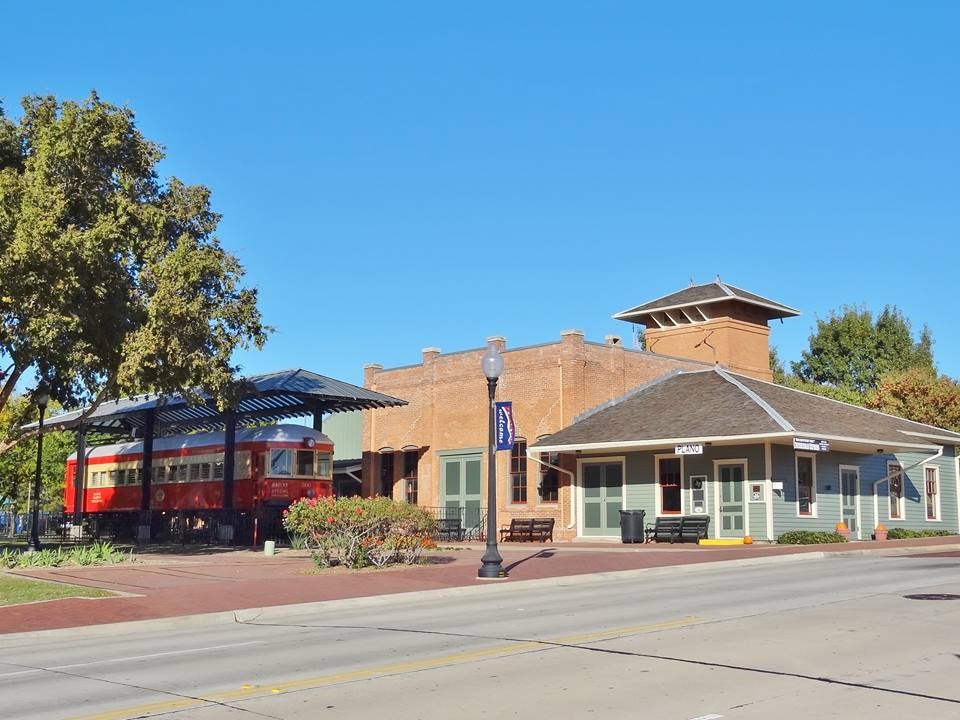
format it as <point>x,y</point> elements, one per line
<point>886,478</point>
<point>956,477</point>
<point>568,473</point>
<point>768,481</point>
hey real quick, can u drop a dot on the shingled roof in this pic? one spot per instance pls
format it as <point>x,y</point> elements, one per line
<point>697,296</point>
<point>716,405</point>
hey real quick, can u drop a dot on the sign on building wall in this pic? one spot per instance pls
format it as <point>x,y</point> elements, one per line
<point>506,431</point>
<point>811,445</point>
<point>689,449</point>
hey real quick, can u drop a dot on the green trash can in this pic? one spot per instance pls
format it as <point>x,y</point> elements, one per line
<point>631,526</point>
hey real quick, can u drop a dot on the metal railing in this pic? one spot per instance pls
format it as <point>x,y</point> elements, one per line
<point>460,523</point>
<point>52,527</point>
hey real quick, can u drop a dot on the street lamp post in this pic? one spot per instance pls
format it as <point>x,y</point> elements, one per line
<point>41,397</point>
<point>492,564</point>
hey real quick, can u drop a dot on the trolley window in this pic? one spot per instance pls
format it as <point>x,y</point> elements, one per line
<point>305,462</point>
<point>281,462</point>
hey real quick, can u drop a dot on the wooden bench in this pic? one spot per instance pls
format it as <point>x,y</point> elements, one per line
<point>532,529</point>
<point>449,529</point>
<point>678,528</point>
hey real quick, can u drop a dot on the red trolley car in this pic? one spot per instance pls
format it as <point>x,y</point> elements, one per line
<point>273,466</point>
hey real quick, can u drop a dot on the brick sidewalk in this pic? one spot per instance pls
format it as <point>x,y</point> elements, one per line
<point>163,585</point>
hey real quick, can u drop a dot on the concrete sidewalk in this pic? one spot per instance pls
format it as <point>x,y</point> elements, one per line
<point>164,585</point>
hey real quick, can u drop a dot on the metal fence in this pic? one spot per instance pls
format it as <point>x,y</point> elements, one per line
<point>53,527</point>
<point>460,523</point>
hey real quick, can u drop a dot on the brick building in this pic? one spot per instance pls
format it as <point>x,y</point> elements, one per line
<point>433,450</point>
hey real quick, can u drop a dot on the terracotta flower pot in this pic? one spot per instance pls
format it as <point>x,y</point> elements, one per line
<point>880,532</point>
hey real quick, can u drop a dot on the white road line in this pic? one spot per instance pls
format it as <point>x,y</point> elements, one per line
<point>134,657</point>
<point>711,716</point>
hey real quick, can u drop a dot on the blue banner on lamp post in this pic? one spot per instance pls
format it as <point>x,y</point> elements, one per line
<point>506,431</point>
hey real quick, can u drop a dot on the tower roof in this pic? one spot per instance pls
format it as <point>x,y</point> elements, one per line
<point>692,304</point>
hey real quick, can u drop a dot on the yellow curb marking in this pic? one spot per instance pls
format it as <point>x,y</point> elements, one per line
<point>252,691</point>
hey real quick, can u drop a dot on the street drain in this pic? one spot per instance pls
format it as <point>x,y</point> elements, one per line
<point>932,596</point>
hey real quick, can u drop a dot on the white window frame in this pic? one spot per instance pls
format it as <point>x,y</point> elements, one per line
<point>936,498</point>
<point>656,484</point>
<point>901,505</point>
<point>796,483</point>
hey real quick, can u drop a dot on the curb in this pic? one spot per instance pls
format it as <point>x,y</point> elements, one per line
<point>274,612</point>
<point>251,615</point>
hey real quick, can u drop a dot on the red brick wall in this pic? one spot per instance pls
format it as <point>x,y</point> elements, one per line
<point>549,386</point>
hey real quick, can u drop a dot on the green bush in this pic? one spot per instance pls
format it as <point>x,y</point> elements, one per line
<point>359,532</point>
<point>904,533</point>
<point>810,537</point>
<point>99,553</point>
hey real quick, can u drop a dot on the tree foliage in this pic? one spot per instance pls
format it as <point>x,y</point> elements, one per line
<point>835,392</point>
<point>18,464</point>
<point>851,350</point>
<point>919,394</point>
<point>111,282</point>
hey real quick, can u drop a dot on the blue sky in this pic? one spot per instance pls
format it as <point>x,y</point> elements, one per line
<point>402,175</point>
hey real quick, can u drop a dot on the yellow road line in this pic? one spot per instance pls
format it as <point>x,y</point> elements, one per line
<point>252,691</point>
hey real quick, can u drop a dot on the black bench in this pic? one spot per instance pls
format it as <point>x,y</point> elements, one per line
<point>542,530</point>
<point>450,529</point>
<point>523,529</point>
<point>678,528</point>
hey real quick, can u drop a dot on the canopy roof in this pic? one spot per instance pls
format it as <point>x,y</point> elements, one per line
<point>721,407</point>
<point>270,398</point>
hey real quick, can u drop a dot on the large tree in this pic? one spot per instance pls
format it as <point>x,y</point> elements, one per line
<point>111,282</point>
<point>851,350</point>
<point>835,392</point>
<point>919,394</point>
<point>18,464</point>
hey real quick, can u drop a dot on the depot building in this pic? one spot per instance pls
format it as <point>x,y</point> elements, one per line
<point>693,425</point>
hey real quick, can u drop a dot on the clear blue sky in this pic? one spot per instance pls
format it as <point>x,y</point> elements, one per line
<point>402,175</point>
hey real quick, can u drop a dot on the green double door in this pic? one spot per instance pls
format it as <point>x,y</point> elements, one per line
<point>462,488</point>
<point>602,498</point>
<point>731,501</point>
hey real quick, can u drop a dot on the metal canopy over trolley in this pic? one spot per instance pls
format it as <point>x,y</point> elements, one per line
<point>267,398</point>
<point>271,397</point>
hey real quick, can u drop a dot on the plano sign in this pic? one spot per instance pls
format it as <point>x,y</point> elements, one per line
<point>811,445</point>
<point>689,449</point>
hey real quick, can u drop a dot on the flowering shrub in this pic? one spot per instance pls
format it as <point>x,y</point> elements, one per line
<point>358,532</point>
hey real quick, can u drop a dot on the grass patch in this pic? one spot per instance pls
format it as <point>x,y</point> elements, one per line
<point>14,591</point>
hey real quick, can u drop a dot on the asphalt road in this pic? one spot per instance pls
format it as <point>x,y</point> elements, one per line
<point>801,638</point>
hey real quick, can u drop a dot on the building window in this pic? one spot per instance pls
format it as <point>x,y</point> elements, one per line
<point>669,479</point>
<point>806,485</point>
<point>411,458</point>
<point>931,484</point>
<point>895,494</point>
<point>549,478</point>
<point>518,471</point>
<point>386,474</point>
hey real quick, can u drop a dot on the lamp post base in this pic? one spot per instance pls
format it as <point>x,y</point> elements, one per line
<point>33,546</point>
<point>492,566</point>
